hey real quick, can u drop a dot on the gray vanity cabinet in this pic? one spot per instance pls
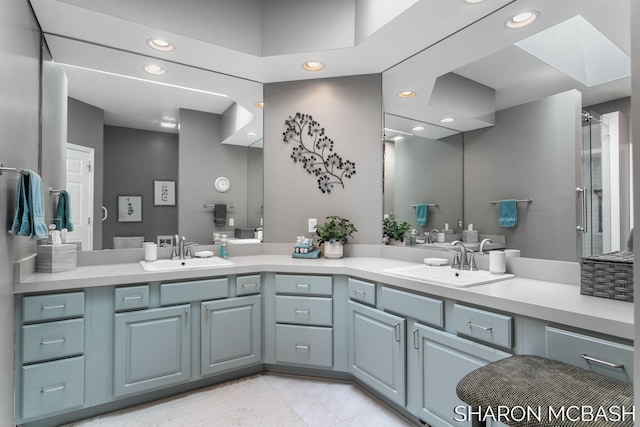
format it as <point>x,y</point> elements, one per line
<point>230,334</point>
<point>152,349</point>
<point>377,350</point>
<point>441,360</point>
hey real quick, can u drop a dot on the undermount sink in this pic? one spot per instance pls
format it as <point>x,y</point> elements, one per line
<point>446,275</point>
<point>184,264</point>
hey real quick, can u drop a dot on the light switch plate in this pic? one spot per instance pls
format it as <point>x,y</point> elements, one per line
<point>313,222</point>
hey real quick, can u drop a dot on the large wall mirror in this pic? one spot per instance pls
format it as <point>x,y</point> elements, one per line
<point>531,113</point>
<point>156,144</point>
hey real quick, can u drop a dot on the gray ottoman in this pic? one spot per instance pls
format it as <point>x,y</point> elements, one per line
<point>534,391</point>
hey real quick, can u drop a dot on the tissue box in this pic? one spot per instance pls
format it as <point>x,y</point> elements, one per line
<point>56,258</point>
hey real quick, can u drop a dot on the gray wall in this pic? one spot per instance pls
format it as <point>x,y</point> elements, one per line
<point>203,159</point>
<point>133,159</point>
<point>350,110</point>
<point>531,149</point>
<point>85,126</point>
<point>19,86</point>
<point>429,171</point>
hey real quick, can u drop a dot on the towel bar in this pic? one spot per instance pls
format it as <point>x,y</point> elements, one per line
<point>6,169</point>
<point>529,200</point>
<point>428,204</point>
<point>209,205</point>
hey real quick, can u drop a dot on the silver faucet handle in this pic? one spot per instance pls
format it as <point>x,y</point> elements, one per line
<point>473,266</point>
<point>189,248</point>
<point>455,263</point>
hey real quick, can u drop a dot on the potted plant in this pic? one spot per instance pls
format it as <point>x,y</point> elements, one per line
<point>333,234</point>
<point>394,232</point>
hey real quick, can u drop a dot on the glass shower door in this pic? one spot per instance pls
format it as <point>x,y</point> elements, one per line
<point>591,194</point>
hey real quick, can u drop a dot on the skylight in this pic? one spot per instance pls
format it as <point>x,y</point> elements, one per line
<point>577,49</point>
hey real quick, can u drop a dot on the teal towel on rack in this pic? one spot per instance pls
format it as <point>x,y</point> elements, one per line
<point>62,218</point>
<point>507,213</point>
<point>422,214</point>
<point>29,217</point>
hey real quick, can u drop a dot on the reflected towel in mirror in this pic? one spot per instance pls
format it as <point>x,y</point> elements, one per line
<point>220,214</point>
<point>508,213</point>
<point>422,214</point>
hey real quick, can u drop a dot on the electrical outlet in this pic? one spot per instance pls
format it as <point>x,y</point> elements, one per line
<point>231,222</point>
<point>313,222</point>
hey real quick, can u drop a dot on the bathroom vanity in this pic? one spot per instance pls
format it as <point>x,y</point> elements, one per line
<point>105,337</point>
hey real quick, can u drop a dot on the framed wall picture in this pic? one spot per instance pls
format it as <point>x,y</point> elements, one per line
<point>129,208</point>
<point>164,193</point>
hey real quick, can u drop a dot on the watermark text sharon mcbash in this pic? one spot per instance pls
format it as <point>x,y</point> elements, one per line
<point>572,413</point>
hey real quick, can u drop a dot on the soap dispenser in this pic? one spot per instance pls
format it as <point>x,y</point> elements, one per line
<point>470,235</point>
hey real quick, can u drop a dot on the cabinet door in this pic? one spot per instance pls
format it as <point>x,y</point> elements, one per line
<point>230,334</point>
<point>377,350</point>
<point>152,349</point>
<point>443,359</point>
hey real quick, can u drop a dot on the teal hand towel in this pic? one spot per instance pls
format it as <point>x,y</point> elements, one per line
<point>422,214</point>
<point>29,218</point>
<point>507,213</point>
<point>63,212</point>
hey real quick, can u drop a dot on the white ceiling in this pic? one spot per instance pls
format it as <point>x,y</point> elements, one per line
<point>235,46</point>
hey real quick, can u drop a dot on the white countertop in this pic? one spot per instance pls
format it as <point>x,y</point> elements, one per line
<point>549,301</point>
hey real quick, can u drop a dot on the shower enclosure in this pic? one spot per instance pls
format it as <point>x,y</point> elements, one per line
<point>605,194</point>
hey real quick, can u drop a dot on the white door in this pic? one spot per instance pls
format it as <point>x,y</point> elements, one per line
<point>80,189</point>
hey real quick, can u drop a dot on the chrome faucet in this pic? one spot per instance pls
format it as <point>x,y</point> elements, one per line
<point>472,265</point>
<point>178,249</point>
<point>463,255</point>
<point>430,239</point>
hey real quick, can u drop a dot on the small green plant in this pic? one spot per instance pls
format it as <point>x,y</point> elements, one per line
<point>336,229</point>
<point>394,230</point>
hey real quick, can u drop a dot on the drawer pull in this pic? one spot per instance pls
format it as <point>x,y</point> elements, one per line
<point>303,347</point>
<point>250,285</point>
<point>303,312</point>
<point>206,317</point>
<point>357,292</point>
<point>602,362</point>
<point>53,388</point>
<point>186,317</point>
<point>58,341</point>
<point>53,307</point>
<point>132,298</point>
<point>302,286</point>
<point>396,331</point>
<point>416,344</point>
<point>484,328</point>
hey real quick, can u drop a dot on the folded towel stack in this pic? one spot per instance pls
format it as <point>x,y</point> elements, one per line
<point>507,213</point>
<point>422,214</point>
<point>29,217</point>
<point>304,248</point>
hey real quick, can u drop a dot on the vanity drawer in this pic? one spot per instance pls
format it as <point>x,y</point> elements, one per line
<point>605,357</point>
<point>304,345</point>
<point>304,310</point>
<point>423,309</point>
<point>52,340</point>
<point>483,325</point>
<point>131,297</point>
<point>198,290</point>
<point>248,285</point>
<point>307,285</point>
<point>52,387</point>
<point>362,291</point>
<point>54,306</point>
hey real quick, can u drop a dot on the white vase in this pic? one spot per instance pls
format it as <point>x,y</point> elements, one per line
<point>394,242</point>
<point>332,250</point>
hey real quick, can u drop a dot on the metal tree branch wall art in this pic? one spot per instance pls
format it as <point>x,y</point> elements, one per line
<point>314,150</point>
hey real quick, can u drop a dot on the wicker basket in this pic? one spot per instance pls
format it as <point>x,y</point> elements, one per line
<point>608,276</point>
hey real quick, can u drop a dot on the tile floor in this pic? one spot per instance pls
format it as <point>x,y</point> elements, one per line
<point>260,400</point>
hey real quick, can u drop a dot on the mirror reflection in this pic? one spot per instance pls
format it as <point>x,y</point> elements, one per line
<point>519,104</point>
<point>145,151</point>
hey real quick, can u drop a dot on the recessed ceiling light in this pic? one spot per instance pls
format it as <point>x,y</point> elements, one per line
<point>473,1</point>
<point>154,69</point>
<point>447,120</point>
<point>160,44</point>
<point>522,19</point>
<point>259,104</point>
<point>252,133</point>
<point>417,128</point>
<point>168,125</point>
<point>406,94</point>
<point>313,66</point>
